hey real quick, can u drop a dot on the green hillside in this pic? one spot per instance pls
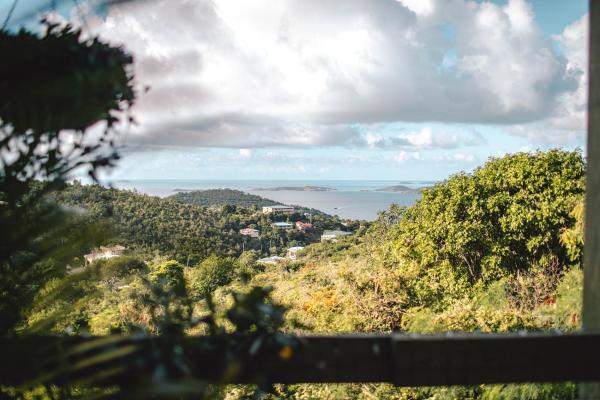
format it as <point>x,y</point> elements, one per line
<point>186,232</point>
<point>219,197</point>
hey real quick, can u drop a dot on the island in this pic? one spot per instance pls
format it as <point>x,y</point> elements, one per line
<point>295,188</point>
<point>402,189</point>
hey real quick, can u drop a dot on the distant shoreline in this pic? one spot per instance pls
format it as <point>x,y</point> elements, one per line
<point>294,189</point>
<point>395,189</point>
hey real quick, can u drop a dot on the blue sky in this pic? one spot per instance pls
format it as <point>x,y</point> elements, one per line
<point>378,89</point>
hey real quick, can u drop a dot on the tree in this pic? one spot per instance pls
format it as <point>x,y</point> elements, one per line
<point>211,273</point>
<point>474,229</point>
<point>53,87</point>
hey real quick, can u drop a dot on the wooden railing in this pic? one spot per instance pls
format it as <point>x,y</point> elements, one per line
<point>404,360</point>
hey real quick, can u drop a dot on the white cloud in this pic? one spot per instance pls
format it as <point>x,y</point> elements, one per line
<point>568,121</point>
<point>306,73</point>
<point>404,156</point>
<point>424,139</point>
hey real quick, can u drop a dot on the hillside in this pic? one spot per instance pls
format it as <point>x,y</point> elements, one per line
<point>185,232</point>
<point>219,197</point>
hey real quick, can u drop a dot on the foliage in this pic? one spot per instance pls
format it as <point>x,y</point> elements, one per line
<point>474,229</point>
<point>393,276</point>
<point>221,197</point>
<point>572,238</point>
<point>210,274</point>
<point>157,301</point>
<point>50,83</point>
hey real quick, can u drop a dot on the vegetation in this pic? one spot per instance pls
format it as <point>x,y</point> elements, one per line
<point>221,197</point>
<point>497,250</point>
<point>82,83</point>
<point>185,232</point>
<point>515,263</point>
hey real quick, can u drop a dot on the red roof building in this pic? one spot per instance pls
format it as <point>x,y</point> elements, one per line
<point>303,226</point>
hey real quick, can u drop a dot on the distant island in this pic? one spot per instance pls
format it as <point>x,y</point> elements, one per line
<point>396,189</point>
<point>220,197</point>
<point>295,188</point>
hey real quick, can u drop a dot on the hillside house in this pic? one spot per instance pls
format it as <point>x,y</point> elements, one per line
<point>292,252</point>
<point>253,233</point>
<point>286,210</point>
<point>333,236</point>
<point>283,225</point>
<point>104,253</point>
<point>303,226</point>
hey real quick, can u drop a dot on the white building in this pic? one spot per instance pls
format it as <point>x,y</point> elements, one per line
<point>250,232</point>
<point>292,252</point>
<point>333,236</point>
<point>104,253</point>
<point>278,210</point>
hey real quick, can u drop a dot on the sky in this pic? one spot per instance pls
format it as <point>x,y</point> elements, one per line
<point>341,89</point>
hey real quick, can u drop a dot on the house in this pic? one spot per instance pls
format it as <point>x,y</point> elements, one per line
<point>278,210</point>
<point>333,236</point>
<point>303,226</point>
<point>283,225</point>
<point>292,252</point>
<point>271,260</point>
<point>254,233</point>
<point>104,253</point>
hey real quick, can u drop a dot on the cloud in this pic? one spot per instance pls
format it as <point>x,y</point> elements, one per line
<point>259,73</point>
<point>568,121</point>
<point>424,139</point>
<point>404,156</point>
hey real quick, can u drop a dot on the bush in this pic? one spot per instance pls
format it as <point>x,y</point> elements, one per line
<point>211,273</point>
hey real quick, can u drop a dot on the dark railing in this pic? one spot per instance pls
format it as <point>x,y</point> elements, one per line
<point>404,360</point>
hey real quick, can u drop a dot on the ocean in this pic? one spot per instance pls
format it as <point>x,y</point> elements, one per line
<point>347,198</point>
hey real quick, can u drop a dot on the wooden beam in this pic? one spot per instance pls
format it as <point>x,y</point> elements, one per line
<point>591,282</point>
<point>406,360</point>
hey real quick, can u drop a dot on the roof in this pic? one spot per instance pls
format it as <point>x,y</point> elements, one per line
<point>282,224</point>
<point>303,223</point>
<point>278,207</point>
<point>296,248</point>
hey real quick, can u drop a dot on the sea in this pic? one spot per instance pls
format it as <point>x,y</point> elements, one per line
<point>352,199</point>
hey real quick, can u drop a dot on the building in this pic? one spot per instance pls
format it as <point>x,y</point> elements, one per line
<point>303,226</point>
<point>292,252</point>
<point>333,236</point>
<point>278,210</point>
<point>271,260</point>
<point>283,225</point>
<point>254,233</point>
<point>104,253</point>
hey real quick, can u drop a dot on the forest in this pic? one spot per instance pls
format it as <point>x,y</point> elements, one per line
<point>495,250</point>
<point>219,197</point>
